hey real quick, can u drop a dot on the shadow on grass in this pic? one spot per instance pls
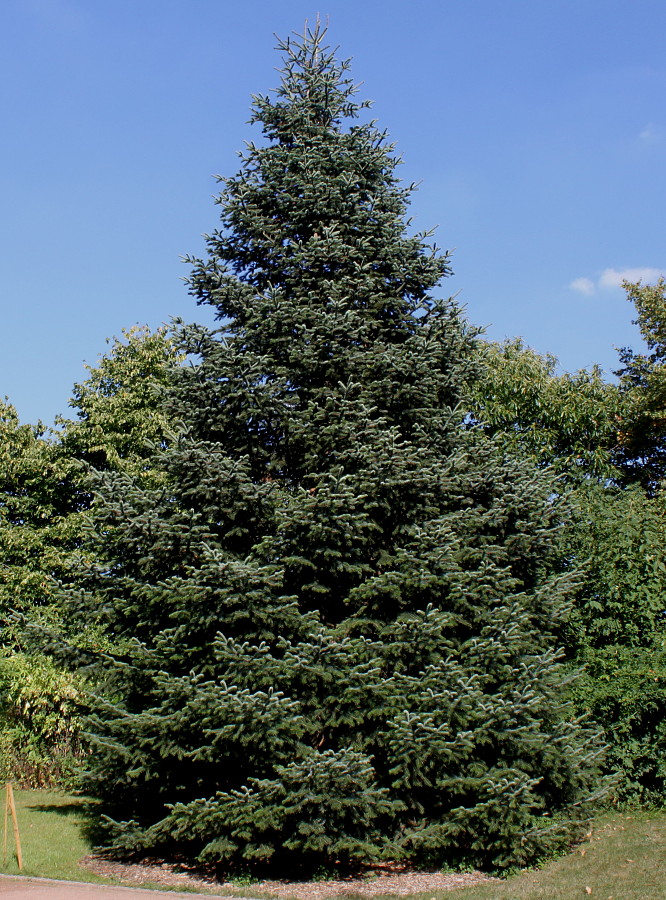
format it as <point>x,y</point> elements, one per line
<point>60,809</point>
<point>85,810</point>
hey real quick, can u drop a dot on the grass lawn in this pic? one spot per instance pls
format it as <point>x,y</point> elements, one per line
<point>50,836</point>
<point>624,858</point>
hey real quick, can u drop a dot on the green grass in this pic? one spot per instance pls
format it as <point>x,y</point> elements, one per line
<point>52,843</point>
<point>51,840</point>
<point>624,858</point>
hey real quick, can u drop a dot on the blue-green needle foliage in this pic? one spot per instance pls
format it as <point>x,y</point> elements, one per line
<point>333,620</point>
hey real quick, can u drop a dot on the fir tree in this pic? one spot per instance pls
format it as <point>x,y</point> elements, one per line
<point>334,618</point>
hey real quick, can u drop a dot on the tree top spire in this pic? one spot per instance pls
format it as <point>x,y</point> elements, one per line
<point>315,84</point>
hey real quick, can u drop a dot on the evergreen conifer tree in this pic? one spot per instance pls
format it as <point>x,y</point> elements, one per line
<point>334,618</point>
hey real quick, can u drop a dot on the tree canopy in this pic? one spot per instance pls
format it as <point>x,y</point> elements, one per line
<point>604,441</point>
<point>642,446</point>
<point>45,501</point>
<point>565,422</point>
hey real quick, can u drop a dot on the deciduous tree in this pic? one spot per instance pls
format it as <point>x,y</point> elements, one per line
<point>565,422</point>
<point>603,440</point>
<point>642,447</point>
<point>45,498</point>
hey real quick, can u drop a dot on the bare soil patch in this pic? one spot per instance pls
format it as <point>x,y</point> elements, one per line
<point>380,880</point>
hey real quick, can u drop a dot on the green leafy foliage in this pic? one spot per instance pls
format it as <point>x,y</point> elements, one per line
<point>40,721</point>
<point>599,438</point>
<point>44,492</point>
<point>333,619</point>
<point>40,524</point>
<point>619,536</point>
<point>624,689</point>
<point>642,449</point>
<point>39,506</point>
<point>121,422</point>
<point>45,496</point>
<point>618,632</point>
<point>566,422</point>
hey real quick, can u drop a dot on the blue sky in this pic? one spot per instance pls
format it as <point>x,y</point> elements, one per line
<point>536,128</point>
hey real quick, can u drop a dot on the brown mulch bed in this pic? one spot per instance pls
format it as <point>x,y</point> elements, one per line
<point>387,879</point>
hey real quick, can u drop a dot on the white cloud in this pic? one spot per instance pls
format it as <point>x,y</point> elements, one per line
<point>649,134</point>
<point>583,286</point>
<point>611,278</point>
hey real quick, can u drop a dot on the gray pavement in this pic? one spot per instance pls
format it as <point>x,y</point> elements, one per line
<point>47,889</point>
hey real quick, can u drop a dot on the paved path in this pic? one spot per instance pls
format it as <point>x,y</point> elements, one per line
<point>47,889</point>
